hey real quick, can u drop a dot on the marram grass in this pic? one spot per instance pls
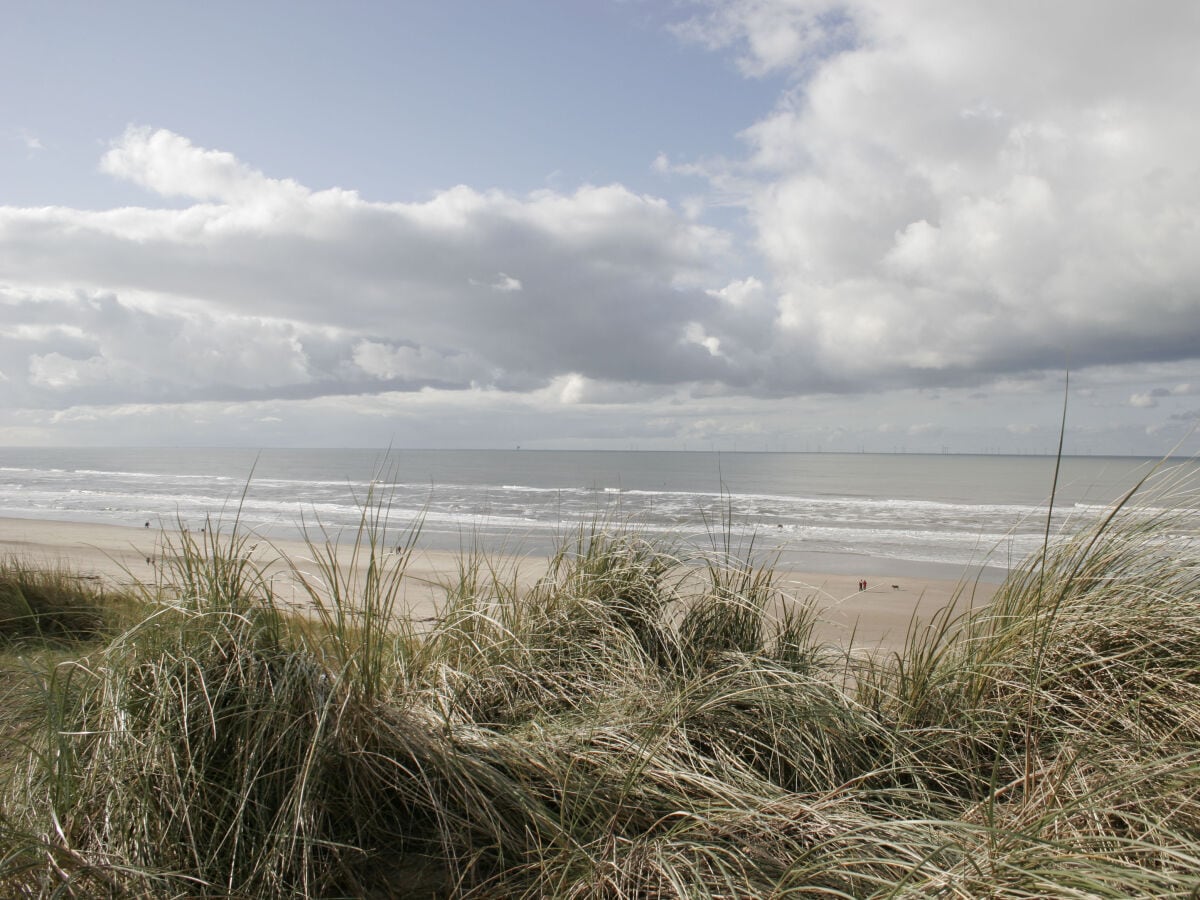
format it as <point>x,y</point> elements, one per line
<point>637,724</point>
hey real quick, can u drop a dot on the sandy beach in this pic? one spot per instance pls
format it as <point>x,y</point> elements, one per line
<point>877,617</point>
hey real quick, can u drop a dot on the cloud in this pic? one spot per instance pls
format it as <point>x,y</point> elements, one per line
<point>773,36</point>
<point>32,142</point>
<point>923,428</point>
<point>918,211</point>
<point>56,371</point>
<point>931,211</point>
<point>505,284</point>
<point>262,287</point>
<point>124,351</point>
<point>417,366</point>
<point>169,164</point>
<point>1149,399</point>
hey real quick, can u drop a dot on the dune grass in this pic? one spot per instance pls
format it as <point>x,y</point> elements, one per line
<point>44,605</point>
<point>637,724</point>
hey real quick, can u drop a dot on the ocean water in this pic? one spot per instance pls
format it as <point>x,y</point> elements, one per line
<point>823,512</point>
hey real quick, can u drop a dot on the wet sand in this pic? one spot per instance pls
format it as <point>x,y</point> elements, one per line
<point>121,556</point>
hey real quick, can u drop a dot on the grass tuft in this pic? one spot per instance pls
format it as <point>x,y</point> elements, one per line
<point>51,604</point>
<point>635,724</point>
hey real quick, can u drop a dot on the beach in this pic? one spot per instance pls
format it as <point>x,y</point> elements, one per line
<point>120,556</point>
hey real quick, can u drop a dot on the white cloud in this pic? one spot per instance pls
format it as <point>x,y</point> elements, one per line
<point>574,389</point>
<point>416,366</point>
<point>32,142</point>
<point>695,334</point>
<point>505,284</point>
<point>170,165</point>
<point>774,35</point>
<point>571,389</point>
<point>945,210</point>
<point>741,294</point>
<point>56,371</point>
<point>275,290</point>
<point>664,166</point>
<point>923,428</point>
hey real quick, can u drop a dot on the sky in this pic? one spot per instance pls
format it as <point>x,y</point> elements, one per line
<point>781,225</point>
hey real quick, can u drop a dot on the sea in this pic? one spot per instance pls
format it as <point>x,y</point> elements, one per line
<point>938,515</point>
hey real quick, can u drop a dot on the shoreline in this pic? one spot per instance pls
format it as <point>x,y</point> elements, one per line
<point>899,593</point>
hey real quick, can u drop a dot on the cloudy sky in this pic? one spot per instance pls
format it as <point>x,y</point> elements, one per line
<point>752,225</point>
